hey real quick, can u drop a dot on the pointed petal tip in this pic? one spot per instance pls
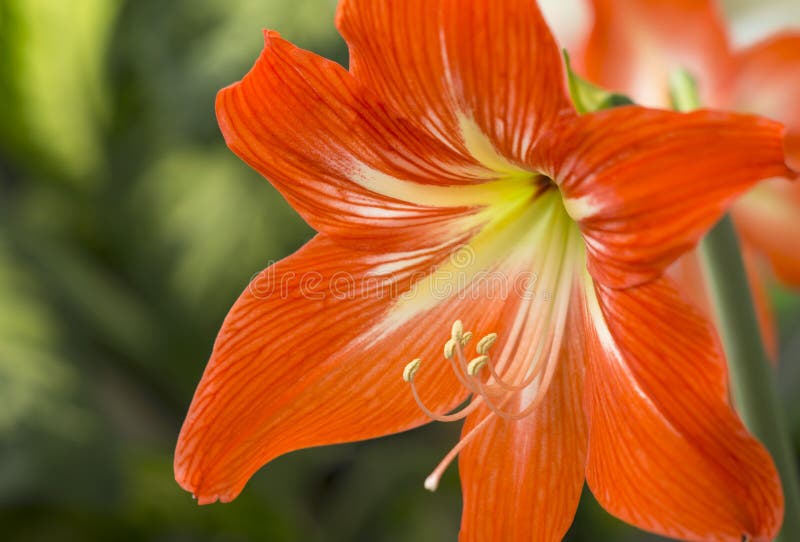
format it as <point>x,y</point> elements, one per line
<point>202,501</point>
<point>270,35</point>
<point>250,405</point>
<point>198,488</point>
<point>437,65</point>
<point>791,162</point>
<point>193,474</point>
<point>707,477</point>
<point>791,173</point>
<point>270,39</point>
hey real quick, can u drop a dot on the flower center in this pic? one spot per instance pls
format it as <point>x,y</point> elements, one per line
<point>512,383</point>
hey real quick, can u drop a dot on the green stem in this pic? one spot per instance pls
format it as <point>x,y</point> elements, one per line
<point>752,379</point>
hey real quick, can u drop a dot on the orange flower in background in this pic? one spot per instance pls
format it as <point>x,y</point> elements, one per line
<point>634,46</point>
<point>451,180</point>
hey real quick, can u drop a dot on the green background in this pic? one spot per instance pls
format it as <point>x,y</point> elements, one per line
<point>126,231</point>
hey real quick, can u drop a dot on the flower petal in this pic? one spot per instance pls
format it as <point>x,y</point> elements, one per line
<point>349,165</point>
<point>313,353</point>
<point>666,451</point>
<point>645,185</point>
<point>767,82</point>
<point>486,77</point>
<point>635,45</point>
<point>522,480</point>
<point>768,219</point>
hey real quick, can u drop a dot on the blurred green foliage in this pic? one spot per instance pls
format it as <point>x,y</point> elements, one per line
<point>126,231</point>
<point>53,99</point>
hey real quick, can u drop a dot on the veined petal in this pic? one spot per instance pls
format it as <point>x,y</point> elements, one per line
<point>313,351</point>
<point>666,451</point>
<point>346,162</point>
<point>645,185</point>
<point>522,479</point>
<point>768,219</point>
<point>486,77</point>
<point>307,356</point>
<point>767,82</point>
<point>634,46</point>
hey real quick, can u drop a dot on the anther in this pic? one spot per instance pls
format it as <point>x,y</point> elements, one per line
<point>486,343</point>
<point>450,349</point>
<point>475,366</point>
<point>457,330</point>
<point>466,338</point>
<point>411,370</point>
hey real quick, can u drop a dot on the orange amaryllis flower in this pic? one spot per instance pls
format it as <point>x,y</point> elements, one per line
<point>635,45</point>
<point>451,180</point>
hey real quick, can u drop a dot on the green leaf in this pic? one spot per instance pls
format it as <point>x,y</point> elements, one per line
<point>588,97</point>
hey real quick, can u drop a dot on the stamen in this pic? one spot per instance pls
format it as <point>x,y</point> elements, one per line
<point>497,409</point>
<point>486,343</point>
<point>475,366</point>
<point>533,370</point>
<point>457,330</point>
<point>545,371</point>
<point>500,389</point>
<point>551,325</point>
<point>459,366</point>
<point>409,373</point>
<point>449,349</point>
<point>411,369</point>
<point>543,386</point>
<point>514,380</point>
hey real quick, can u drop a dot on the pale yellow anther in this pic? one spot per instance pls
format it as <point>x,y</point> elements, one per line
<point>466,338</point>
<point>457,331</point>
<point>450,349</point>
<point>411,369</point>
<point>475,366</point>
<point>486,343</point>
